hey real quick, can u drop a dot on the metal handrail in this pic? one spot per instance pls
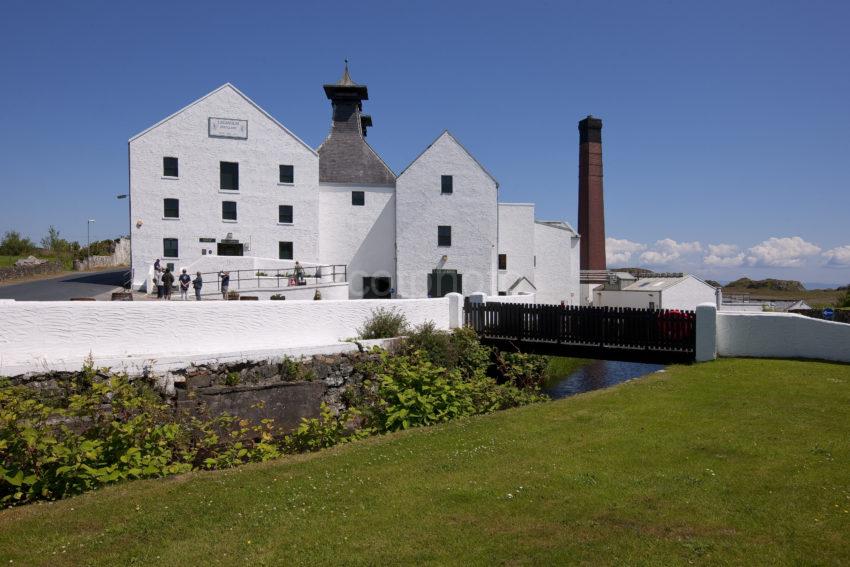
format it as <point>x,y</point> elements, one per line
<point>333,271</point>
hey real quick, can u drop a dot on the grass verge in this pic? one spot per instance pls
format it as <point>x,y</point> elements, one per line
<point>731,462</point>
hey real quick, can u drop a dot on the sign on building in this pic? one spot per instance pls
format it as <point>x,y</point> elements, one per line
<point>228,128</point>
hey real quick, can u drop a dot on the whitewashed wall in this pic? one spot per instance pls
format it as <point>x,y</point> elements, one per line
<point>361,237</point>
<point>781,335</point>
<point>522,298</point>
<point>687,294</point>
<point>516,241</point>
<point>557,273</point>
<point>471,210</point>
<point>186,137</point>
<point>633,299</point>
<point>61,334</point>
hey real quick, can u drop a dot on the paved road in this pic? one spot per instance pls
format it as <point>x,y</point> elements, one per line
<point>82,284</point>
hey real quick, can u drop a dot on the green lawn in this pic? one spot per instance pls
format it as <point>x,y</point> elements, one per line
<point>732,462</point>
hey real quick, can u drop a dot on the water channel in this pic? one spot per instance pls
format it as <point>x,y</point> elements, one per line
<point>596,375</point>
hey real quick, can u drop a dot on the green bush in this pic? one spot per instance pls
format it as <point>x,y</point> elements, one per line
<point>524,371</point>
<point>384,323</point>
<point>456,349</point>
<point>13,244</point>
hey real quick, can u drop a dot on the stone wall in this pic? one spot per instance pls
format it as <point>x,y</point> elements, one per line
<point>21,272</point>
<point>285,391</point>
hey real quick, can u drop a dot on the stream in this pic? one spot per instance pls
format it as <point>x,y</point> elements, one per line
<point>596,375</point>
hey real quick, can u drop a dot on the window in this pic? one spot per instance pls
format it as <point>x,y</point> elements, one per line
<point>503,261</point>
<point>444,236</point>
<point>503,293</point>
<point>228,210</point>
<point>284,250</point>
<point>446,185</point>
<point>284,214</point>
<point>171,208</point>
<point>535,260</point>
<point>169,167</point>
<point>287,174</point>
<point>377,288</point>
<point>229,175</point>
<point>169,248</point>
<point>358,198</point>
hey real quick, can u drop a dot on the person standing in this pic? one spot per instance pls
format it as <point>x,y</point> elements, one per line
<point>167,282</point>
<point>225,283</point>
<point>157,283</point>
<point>198,284</point>
<point>185,279</point>
<point>299,273</point>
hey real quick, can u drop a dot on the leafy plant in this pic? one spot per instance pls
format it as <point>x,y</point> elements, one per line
<point>278,297</point>
<point>384,323</point>
<point>232,379</point>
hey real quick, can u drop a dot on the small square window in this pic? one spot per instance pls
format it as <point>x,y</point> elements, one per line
<point>284,214</point>
<point>228,210</point>
<point>503,261</point>
<point>444,235</point>
<point>169,167</point>
<point>284,250</point>
<point>229,174</point>
<point>446,185</point>
<point>169,248</point>
<point>358,198</point>
<point>287,174</point>
<point>171,208</point>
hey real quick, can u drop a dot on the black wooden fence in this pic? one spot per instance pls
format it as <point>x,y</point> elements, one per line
<point>610,327</point>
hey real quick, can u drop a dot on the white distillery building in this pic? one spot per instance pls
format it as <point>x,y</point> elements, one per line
<point>222,185</point>
<point>660,291</point>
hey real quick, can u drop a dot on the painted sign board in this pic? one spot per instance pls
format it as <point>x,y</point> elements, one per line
<point>228,128</point>
<point>828,313</point>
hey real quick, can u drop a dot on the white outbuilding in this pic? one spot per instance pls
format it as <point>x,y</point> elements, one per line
<point>660,291</point>
<point>222,185</point>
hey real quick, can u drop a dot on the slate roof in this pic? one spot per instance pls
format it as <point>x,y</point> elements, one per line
<point>345,156</point>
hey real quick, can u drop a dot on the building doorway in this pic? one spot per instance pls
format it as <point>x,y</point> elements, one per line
<point>230,248</point>
<point>376,288</point>
<point>442,282</point>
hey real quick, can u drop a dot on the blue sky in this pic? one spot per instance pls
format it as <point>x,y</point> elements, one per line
<point>727,124</point>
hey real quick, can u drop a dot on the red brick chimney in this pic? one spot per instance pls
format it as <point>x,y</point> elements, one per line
<point>591,211</point>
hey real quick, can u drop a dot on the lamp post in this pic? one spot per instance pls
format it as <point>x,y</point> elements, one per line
<point>88,245</point>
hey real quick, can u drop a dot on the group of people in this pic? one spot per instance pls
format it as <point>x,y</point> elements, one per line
<point>164,280</point>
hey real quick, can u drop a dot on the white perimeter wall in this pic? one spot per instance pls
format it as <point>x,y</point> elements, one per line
<point>471,210</point>
<point>37,336</point>
<point>781,335</point>
<point>687,294</point>
<point>186,137</point>
<point>557,273</point>
<point>516,240</point>
<point>361,237</point>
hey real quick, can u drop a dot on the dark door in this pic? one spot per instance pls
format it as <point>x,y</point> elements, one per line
<point>229,249</point>
<point>376,288</point>
<point>442,282</point>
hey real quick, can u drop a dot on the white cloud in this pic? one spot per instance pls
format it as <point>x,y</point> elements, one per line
<point>723,256</point>
<point>788,252</point>
<point>838,257</point>
<point>620,251</point>
<point>667,251</point>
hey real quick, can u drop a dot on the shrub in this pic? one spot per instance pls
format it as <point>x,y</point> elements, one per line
<point>13,244</point>
<point>384,323</point>
<point>261,274</point>
<point>278,297</point>
<point>458,349</point>
<point>409,391</point>
<point>523,371</point>
<point>327,430</point>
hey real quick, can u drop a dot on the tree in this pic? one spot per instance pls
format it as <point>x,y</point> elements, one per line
<point>13,244</point>
<point>52,241</point>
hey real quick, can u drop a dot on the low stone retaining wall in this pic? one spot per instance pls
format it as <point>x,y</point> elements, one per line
<point>22,272</point>
<point>285,390</point>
